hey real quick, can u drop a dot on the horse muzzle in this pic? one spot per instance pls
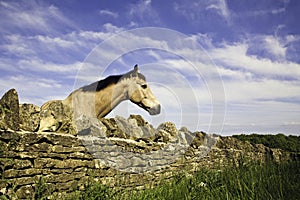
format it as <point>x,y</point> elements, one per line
<point>154,110</point>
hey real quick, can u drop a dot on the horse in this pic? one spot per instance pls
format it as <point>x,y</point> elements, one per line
<point>98,99</point>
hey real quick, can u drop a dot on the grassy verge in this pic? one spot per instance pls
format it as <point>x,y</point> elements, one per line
<point>248,181</point>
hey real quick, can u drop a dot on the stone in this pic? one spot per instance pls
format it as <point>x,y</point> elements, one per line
<point>166,132</point>
<point>131,130</point>
<point>139,120</point>
<point>66,140</point>
<point>134,128</point>
<point>14,173</point>
<point>9,135</point>
<point>90,126</point>
<point>24,192</point>
<point>198,140</point>
<point>113,129</point>
<point>163,136</point>
<point>22,164</point>
<point>168,127</point>
<point>147,131</point>
<point>9,111</point>
<point>29,117</point>
<point>57,117</point>
<point>41,163</point>
<point>185,136</point>
<point>63,177</point>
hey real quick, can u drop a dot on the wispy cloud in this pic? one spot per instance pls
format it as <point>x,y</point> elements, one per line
<point>221,7</point>
<point>142,12</point>
<point>35,89</point>
<point>236,56</point>
<point>262,12</point>
<point>109,13</point>
<point>196,10</point>
<point>272,46</point>
<point>31,16</point>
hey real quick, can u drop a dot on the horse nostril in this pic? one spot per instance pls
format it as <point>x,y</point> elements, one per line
<point>155,110</point>
<point>158,108</point>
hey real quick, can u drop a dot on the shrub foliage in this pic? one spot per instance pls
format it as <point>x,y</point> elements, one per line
<point>280,141</point>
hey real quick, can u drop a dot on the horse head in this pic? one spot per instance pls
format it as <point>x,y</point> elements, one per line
<point>140,93</point>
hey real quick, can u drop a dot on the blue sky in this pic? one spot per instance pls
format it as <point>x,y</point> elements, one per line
<point>235,69</point>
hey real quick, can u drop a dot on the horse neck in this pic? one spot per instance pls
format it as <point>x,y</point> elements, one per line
<point>108,98</point>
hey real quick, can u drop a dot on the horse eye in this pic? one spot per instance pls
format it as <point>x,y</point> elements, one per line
<point>144,86</point>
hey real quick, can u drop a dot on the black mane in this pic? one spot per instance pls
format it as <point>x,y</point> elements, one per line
<point>108,81</point>
<point>114,79</point>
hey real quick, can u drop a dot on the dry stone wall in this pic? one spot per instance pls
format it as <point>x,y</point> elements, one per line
<point>118,152</point>
<point>65,164</point>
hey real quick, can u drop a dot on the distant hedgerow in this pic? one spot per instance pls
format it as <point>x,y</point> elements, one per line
<point>288,143</point>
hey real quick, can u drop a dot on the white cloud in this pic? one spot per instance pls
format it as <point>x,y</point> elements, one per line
<point>221,7</point>
<point>235,56</point>
<point>54,41</point>
<point>195,10</point>
<point>270,46</point>
<point>243,90</point>
<point>35,90</point>
<point>111,28</point>
<point>30,15</point>
<point>274,46</point>
<point>109,13</point>
<point>278,11</point>
<point>36,65</point>
<point>143,12</point>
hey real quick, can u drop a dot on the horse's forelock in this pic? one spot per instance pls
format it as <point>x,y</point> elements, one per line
<point>134,75</point>
<point>141,76</point>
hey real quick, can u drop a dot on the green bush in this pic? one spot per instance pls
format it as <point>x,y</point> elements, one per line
<point>280,141</point>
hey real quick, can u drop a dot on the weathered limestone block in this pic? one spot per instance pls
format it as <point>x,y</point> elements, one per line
<point>24,180</point>
<point>113,129</point>
<point>139,120</point>
<point>80,155</point>
<point>24,192</point>
<point>166,132</point>
<point>147,130</point>
<point>68,186</point>
<point>39,147</point>
<point>65,140</point>
<point>129,130</point>
<point>29,117</point>
<point>41,163</point>
<point>90,127</point>
<point>198,139</point>
<point>163,136</point>
<point>21,164</point>
<point>57,117</point>
<point>9,136</point>
<point>168,127</point>
<point>134,128</point>
<point>9,111</point>
<point>62,149</point>
<point>14,173</point>
<point>63,177</point>
<point>185,137</point>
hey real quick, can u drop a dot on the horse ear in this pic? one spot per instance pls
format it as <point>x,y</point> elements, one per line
<point>136,69</point>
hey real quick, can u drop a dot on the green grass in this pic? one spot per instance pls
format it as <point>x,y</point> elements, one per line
<point>248,181</point>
